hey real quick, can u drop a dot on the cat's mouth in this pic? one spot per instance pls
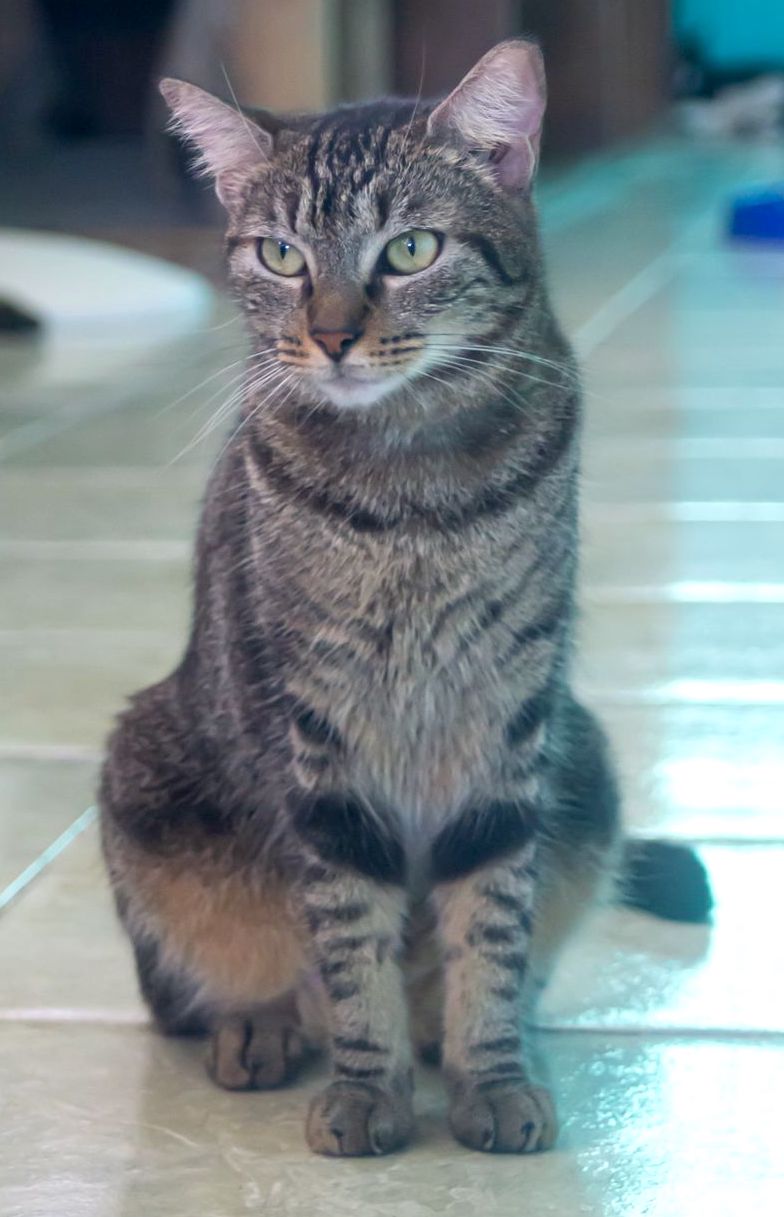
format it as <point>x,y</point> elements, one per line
<point>351,387</point>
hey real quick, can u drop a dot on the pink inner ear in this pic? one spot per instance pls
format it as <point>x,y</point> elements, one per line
<point>499,107</point>
<point>515,165</point>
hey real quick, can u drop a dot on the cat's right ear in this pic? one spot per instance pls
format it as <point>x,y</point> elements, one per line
<point>497,109</point>
<point>230,145</point>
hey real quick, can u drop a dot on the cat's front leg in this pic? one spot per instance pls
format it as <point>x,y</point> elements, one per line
<point>353,909</point>
<point>485,917</point>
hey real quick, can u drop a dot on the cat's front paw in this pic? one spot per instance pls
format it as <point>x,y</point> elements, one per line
<point>503,1118</point>
<point>351,1119</point>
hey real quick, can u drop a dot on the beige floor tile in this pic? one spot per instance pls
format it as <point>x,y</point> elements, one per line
<point>642,476</point>
<point>97,594</point>
<point>629,971</point>
<point>108,504</point>
<point>700,771</point>
<point>38,801</point>
<point>636,646</point>
<point>639,413</point>
<point>666,367</point>
<point>115,1121</point>
<point>62,948</point>
<point>128,438</point>
<point>735,555</point>
<point>15,417</point>
<point>651,210</point>
<point>159,431</point>
<point>66,688</point>
<point>716,298</point>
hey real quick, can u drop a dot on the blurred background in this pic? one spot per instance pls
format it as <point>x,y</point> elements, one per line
<point>661,201</point>
<point>81,121</point>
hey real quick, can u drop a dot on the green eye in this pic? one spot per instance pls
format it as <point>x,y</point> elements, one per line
<point>280,257</point>
<point>411,251</point>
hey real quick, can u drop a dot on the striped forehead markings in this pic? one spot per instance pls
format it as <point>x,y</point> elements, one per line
<point>339,156</point>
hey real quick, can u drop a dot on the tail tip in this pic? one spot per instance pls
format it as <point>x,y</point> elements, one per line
<point>668,880</point>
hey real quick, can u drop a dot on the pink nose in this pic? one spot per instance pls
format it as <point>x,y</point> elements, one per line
<point>335,343</point>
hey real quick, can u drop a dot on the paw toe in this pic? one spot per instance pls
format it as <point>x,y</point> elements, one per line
<point>348,1120</point>
<point>246,1054</point>
<point>512,1118</point>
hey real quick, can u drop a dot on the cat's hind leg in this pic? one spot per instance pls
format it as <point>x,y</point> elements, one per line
<point>581,849</point>
<point>216,947</point>
<point>256,1048</point>
<point>171,995</point>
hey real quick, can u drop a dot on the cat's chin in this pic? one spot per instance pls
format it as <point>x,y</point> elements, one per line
<point>355,394</point>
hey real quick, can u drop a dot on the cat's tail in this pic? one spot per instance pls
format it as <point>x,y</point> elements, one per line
<point>665,879</point>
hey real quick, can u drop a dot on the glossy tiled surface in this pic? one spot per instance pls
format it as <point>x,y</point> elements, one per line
<point>665,1044</point>
<point>651,1126</point>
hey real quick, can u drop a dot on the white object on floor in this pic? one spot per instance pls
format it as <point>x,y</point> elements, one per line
<point>102,309</point>
<point>87,291</point>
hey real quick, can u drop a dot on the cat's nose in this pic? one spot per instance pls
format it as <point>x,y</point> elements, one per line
<point>335,343</point>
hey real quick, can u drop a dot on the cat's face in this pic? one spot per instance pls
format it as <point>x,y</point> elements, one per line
<point>375,248</point>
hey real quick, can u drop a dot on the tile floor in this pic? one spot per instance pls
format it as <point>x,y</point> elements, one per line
<point>664,1044</point>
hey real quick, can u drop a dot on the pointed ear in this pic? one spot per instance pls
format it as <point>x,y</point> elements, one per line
<point>230,144</point>
<point>498,109</point>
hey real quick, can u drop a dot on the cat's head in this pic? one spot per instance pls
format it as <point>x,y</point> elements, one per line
<point>378,244</point>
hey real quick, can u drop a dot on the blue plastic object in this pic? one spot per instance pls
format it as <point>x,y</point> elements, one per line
<point>759,215</point>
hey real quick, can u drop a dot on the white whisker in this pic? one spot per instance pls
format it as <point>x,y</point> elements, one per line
<point>472,364</point>
<point>247,387</point>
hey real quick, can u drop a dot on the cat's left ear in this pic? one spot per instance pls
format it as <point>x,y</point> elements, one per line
<point>230,144</point>
<point>497,109</point>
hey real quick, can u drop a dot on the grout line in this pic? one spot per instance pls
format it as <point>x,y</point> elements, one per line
<point>93,550</point>
<point>683,1031</point>
<point>700,840</point>
<point>109,477</point>
<point>693,692</point>
<point>70,1014</point>
<point>626,301</point>
<point>718,447</point>
<point>723,398</point>
<point>686,592</point>
<point>690,512</point>
<point>71,753</point>
<point>47,1015</point>
<point>44,634</point>
<point>31,872</point>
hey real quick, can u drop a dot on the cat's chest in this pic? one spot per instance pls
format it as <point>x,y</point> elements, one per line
<point>409,671</point>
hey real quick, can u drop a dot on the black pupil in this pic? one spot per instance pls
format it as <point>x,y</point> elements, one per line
<point>283,249</point>
<point>411,246</point>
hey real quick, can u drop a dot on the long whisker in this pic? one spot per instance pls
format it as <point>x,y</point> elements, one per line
<point>417,101</point>
<point>236,379</point>
<point>216,419</point>
<point>236,389</point>
<point>245,360</point>
<point>498,390</point>
<point>511,351</point>
<point>511,374</point>
<point>253,134</point>
<point>468,362</point>
<point>213,329</point>
<point>288,379</point>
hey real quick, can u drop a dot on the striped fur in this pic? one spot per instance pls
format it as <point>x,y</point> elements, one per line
<point>369,750</point>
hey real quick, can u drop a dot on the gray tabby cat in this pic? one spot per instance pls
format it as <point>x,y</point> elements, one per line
<point>367,791</point>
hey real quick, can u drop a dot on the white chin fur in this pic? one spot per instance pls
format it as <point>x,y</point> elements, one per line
<point>350,395</point>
